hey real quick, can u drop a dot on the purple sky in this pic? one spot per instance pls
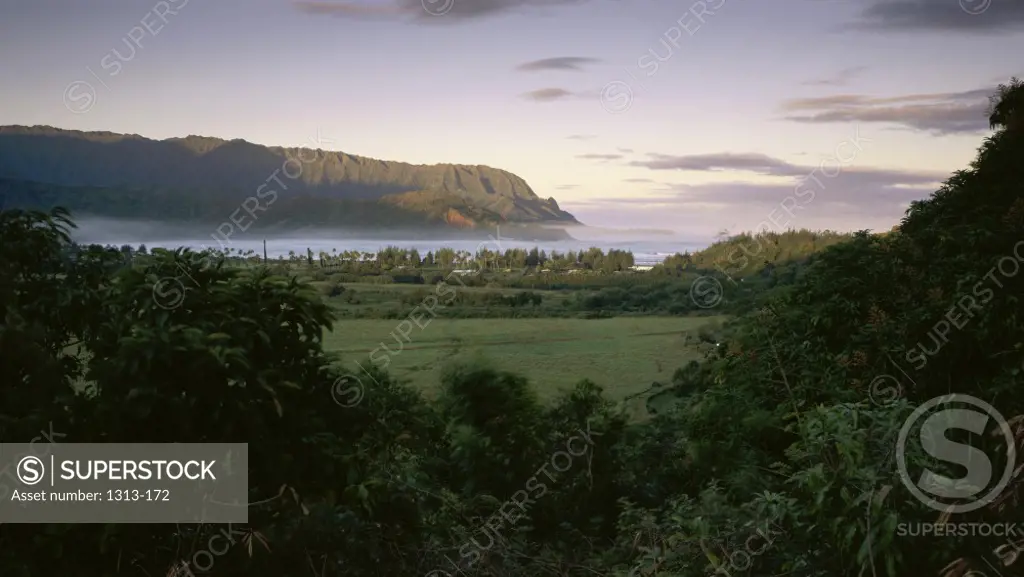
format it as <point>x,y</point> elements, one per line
<point>695,116</point>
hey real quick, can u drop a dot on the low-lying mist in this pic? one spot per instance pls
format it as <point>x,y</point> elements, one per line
<point>647,245</point>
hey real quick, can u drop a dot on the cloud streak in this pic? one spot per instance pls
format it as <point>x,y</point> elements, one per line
<point>599,156</point>
<point>967,16</point>
<point>725,161</point>
<point>764,165</point>
<point>573,63</point>
<point>548,94</point>
<point>445,11</point>
<point>346,9</point>
<point>938,113</point>
<point>841,78</point>
<point>855,198</point>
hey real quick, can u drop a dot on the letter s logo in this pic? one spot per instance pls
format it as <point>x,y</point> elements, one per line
<point>79,97</point>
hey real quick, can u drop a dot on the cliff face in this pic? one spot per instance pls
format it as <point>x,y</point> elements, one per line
<point>457,219</point>
<point>229,171</point>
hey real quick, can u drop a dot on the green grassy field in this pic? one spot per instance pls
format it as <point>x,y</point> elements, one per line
<point>624,355</point>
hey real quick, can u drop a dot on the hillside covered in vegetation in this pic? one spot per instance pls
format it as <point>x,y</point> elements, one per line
<point>206,179</point>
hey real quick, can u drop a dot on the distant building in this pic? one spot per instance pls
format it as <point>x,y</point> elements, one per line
<point>642,267</point>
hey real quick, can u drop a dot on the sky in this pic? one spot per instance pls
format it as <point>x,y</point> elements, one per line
<point>697,116</point>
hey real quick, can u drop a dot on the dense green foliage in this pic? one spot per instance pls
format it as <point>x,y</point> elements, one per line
<point>775,448</point>
<point>747,254</point>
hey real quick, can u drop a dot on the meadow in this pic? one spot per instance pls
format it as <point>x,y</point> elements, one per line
<point>624,355</point>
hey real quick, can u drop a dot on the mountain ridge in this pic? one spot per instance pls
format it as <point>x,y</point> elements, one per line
<point>208,171</point>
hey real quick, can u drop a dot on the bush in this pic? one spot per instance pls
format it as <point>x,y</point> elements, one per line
<point>407,279</point>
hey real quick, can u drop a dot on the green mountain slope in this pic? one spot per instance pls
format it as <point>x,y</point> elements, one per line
<point>206,179</point>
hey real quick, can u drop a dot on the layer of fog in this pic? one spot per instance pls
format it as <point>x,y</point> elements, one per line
<point>646,245</point>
